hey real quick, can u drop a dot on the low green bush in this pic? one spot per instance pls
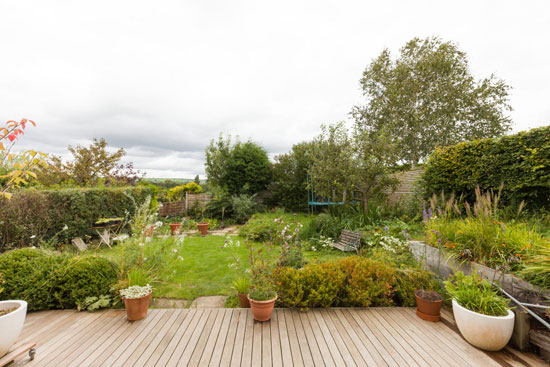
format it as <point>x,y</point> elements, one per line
<point>350,282</point>
<point>50,280</point>
<point>31,216</point>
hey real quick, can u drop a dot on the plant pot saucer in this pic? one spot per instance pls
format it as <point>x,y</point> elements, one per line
<point>431,318</point>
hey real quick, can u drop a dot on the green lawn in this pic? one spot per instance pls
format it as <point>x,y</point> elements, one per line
<point>198,266</point>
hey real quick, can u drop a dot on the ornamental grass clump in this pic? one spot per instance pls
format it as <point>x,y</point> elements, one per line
<point>480,236</point>
<point>476,294</point>
<point>136,291</point>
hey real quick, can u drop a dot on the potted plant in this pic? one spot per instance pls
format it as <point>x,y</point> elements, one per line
<point>483,317</point>
<point>203,228</point>
<point>12,318</point>
<point>174,227</point>
<point>242,286</point>
<point>137,296</point>
<point>262,295</point>
<point>428,305</point>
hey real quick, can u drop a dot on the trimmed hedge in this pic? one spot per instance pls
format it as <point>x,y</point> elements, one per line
<point>520,161</point>
<point>33,215</point>
<point>50,280</point>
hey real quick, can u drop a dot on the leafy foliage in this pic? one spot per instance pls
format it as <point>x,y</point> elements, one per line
<point>476,294</point>
<point>240,168</point>
<point>16,169</point>
<point>521,162</point>
<point>429,88</point>
<point>34,215</point>
<point>177,193</point>
<point>289,183</point>
<point>243,206</point>
<point>344,163</point>
<point>353,281</point>
<point>91,166</point>
<point>49,280</point>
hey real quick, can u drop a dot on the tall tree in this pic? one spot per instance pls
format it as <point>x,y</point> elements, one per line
<point>427,97</point>
<point>289,184</point>
<point>240,168</point>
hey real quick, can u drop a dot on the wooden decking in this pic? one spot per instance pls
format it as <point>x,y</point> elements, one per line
<point>230,337</point>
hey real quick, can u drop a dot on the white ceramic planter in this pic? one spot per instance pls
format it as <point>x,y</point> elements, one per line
<point>11,324</point>
<point>490,333</point>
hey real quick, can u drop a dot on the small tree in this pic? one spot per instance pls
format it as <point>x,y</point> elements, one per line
<point>427,98</point>
<point>18,167</point>
<point>345,162</point>
<point>90,166</point>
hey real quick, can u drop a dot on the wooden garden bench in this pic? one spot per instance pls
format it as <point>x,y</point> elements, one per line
<point>349,241</point>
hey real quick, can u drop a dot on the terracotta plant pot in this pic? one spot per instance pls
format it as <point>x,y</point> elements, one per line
<point>203,227</point>
<point>174,227</point>
<point>243,300</point>
<point>262,310</point>
<point>136,308</point>
<point>428,305</point>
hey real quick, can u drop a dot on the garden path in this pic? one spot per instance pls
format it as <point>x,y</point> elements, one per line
<point>224,337</point>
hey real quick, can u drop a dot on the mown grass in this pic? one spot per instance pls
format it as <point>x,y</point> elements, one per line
<point>199,266</point>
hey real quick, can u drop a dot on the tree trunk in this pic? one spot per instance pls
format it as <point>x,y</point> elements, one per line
<point>365,203</point>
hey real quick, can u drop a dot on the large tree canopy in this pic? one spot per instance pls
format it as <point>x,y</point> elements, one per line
<point>240,168</point>
<point>427,97</point>
<point>289,185</point>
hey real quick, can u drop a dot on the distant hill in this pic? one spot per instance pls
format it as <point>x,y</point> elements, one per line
<point>179,181</point>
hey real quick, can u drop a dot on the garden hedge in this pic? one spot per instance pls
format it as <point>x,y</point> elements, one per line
<point>520,161</point>
<point>50,280</point>
<point>32,215</point>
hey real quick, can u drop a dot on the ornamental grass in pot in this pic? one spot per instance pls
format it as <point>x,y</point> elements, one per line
<point>483,317</point>
<point>242,286</point>
<point>137,296</point>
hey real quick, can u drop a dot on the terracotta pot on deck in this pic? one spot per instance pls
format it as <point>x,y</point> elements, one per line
<point>136,308</point>
<point>203,227</point>
<point>262,310</point>
<point>243,300</point>
<point>174,227</point>
<point>428,305</point>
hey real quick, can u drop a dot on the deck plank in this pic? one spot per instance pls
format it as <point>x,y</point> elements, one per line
<point>231,337</point>
<point>223,337</point>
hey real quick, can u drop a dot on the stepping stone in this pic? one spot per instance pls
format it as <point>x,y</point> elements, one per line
<point>169,303</point>
<point>209,302</point>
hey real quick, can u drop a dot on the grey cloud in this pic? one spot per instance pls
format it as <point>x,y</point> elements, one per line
<point>162,79</point>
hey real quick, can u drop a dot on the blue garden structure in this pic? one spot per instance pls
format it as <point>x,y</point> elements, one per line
<point>313,201</point>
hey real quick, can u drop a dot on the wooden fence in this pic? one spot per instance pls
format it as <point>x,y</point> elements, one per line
<point>181,207</point>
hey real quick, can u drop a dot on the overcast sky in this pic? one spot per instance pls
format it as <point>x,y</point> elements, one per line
<point>161,78</point>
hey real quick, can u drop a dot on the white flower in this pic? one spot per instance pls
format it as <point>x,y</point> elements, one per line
<point>141,244</point>
<point>33,236</point>
<point>65,227</point>
<point>174,250</point>
<point>181,258</point>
